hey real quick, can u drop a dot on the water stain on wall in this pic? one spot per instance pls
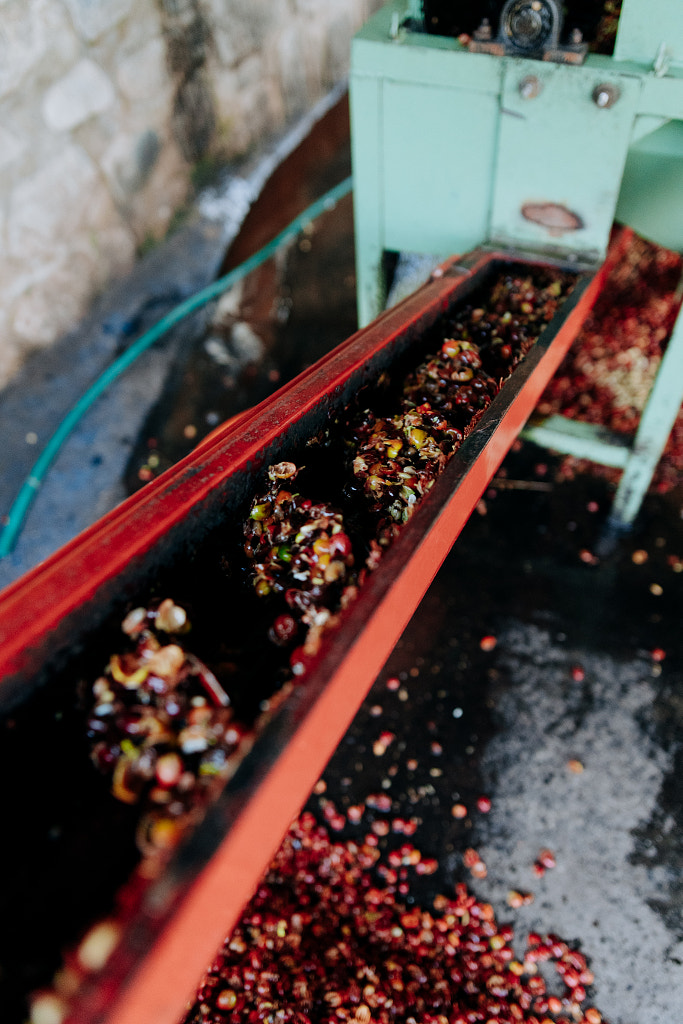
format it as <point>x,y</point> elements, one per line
<point>189,40</point>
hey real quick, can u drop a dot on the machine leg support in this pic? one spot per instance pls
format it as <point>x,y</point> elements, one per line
<point>613,531</point>
<point>371,285</point>
<point>656,423</point>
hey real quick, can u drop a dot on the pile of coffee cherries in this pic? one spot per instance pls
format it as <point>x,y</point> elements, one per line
<point>607,375</point>
<point>302,549</point>
<point>299,551</point>
<point>330,937</point>
<point>397,458</point>
<point>606,32</point>
<point>160,723</point>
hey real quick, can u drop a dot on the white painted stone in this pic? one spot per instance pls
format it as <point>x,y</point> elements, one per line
<point>337,56</point>
<point>100,229</point>
<point>33,32</point>
<point>64,47</point>
<point>112,253</point>
<point>143,75</point>
<point>73,219</point>
<point>11,147</point>
<point>47,310</point>
<point>133,33</point>
<point>232,44</point>
<point>53,306</point>
<point>251,16</point>
<point>11,352</point>
<point>17,278</point>
<point>148,206</point>
<point>233,133</point>
<point>309,7</point>
<point>121,166</point>
<point>250,72</point>
<point>23,42</point>
<point>366,8</point>
<point>94,17</point>
<point>240,26</point>
<point>45,208</point>
<point>291,61</point>
<point>248,106</point>
<point>313,41</point>
<point>257,111</point>
<point>63,213</point>
<point>84,91</point>
<point>8,360</point>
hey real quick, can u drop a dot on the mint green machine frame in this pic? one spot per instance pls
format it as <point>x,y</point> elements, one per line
<point>453,149</point>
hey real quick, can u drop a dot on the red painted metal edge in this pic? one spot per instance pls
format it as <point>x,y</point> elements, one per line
<point>36,606</point>
<point>33,606</point>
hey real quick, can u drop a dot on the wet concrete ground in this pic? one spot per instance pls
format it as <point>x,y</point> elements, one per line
<point>570,725</point>
<point>585,672</point>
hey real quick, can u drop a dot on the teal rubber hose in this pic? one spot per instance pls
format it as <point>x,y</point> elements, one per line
<point>22,503</point>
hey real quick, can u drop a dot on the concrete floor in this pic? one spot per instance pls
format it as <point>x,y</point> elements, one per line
<point>572,676</point>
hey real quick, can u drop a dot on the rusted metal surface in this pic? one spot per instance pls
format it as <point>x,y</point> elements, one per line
<point>555,217</point>
<point>170,926</point>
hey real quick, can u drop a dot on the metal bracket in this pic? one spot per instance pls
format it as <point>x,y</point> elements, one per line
<point>529,28</point>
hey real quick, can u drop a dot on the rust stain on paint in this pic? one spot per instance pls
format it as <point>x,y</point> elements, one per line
<point>555,217</point>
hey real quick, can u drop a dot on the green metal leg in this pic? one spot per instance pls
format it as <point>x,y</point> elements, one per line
<point>656,422</point>
<point>365,95</point>
<point>371,288</point>
<point>582,440</point>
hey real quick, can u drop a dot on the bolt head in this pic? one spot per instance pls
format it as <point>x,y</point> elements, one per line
<point>605,95</point>
<point>530,87</point>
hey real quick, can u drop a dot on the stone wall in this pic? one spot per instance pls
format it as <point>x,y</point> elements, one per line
<point>106,106</point>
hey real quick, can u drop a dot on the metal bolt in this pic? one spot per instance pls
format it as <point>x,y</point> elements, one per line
<point>662,61</point>
<point>530,87</point>
<point>605,95</point>
<point>483,33</point>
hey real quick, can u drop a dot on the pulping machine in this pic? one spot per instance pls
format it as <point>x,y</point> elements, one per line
<point>449,151</point>
<point>508,131</point>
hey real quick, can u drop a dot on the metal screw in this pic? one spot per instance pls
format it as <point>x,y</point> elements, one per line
<point>605,95</point>
<point>483,33</point>
<point>530,87</point>
<point>662,61</point>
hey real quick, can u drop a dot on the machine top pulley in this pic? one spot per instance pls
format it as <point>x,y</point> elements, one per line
<point>542,29</point>
<point>530,28</point>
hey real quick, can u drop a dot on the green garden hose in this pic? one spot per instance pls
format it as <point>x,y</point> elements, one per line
<point>22,503</point>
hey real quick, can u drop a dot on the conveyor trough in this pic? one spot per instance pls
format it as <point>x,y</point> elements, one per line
<point>170,925</point>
